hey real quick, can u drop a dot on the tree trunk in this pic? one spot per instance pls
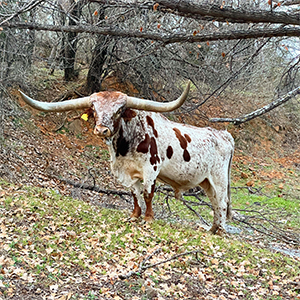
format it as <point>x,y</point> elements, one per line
<point>70,45</point>
<point>96,69</point>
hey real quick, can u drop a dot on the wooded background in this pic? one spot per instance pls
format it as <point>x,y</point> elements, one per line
<point>230,50</point>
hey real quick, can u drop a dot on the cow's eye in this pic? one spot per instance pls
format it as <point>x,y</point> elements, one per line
<point>119,111</point>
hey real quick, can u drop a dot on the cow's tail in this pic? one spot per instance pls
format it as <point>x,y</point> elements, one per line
<point>229,210</point>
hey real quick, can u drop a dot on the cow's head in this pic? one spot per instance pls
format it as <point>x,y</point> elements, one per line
<point>108,107</point>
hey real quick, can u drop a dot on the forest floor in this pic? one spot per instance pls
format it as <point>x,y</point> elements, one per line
<point>64,242</point>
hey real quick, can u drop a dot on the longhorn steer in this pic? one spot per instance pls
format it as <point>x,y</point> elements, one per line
<point>145,146</point>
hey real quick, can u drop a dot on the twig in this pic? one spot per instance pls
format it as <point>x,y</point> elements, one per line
<point>251,190</point>
<point>195,212</point>
<point>224,85</point>
<point>275,232</point>
<point>94,188</point>
<point>60,126</point>
<point>143,267</point>
<point>119,192</point>
<point>26,8</point>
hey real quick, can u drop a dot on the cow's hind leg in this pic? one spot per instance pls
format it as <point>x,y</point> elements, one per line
<point>218,199</point>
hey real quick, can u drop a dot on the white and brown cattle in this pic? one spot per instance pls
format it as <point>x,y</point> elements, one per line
<point>145,147</point>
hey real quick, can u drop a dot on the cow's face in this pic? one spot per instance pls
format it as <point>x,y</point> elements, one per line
<point>108,108</point>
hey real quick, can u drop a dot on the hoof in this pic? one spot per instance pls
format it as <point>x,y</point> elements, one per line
<point>136,214</point>
<point>149,219</point>
<point>218,230</point>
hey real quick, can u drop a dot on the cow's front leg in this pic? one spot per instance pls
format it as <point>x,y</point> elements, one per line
<point>136,191</point>
<point>148,195</point>
<point>137,211</point>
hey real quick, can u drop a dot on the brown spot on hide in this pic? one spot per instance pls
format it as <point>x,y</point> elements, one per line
<point>128,115</point>
<point>155,168</point>
<point>134,173</point>
<point>151,124</point>
<point>122,144</point>
<point>183,140</point>
<point>153,151</point>
<point>144,145</point>
<point>186,155</point>
<point>188,138</point>
<point>169,152</point>
<point>144,148</point>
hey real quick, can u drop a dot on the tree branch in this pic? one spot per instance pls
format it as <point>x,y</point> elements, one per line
<point>26,8</point>
<point>154,36</point>
<point>259,111</point>
<point>228,14</point>
<point>93,187</point>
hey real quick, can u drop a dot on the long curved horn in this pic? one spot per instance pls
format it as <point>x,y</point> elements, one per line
<point>79,103</point>
<point>150,105</point>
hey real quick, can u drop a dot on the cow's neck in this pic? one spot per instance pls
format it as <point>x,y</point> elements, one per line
<point>129,133</point>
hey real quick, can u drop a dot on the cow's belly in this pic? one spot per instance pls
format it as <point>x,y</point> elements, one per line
<point>181,179</point>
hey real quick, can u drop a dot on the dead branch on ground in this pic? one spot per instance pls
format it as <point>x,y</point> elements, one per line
<point>143,267</point>
<point>255,222</point>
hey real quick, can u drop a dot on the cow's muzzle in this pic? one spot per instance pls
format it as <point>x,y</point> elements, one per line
<point>102,131</point>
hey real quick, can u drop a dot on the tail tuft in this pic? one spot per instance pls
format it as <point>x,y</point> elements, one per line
<point>229,210</point>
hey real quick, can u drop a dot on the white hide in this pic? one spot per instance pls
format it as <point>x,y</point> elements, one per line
<point>208,159</point>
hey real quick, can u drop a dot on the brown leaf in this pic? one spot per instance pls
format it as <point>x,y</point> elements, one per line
<point>244,175</point>
<point>250,183</point>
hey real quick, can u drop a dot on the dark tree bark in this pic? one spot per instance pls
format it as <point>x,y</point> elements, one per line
<point>96,70</point>
<point>70,44</point>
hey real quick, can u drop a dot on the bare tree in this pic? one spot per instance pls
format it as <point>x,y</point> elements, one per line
<point>157,45</point>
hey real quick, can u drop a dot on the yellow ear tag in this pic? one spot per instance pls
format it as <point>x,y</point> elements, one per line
<point>85,117</point>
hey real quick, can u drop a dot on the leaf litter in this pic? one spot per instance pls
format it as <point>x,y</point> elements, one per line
<point>53,251</point>
<point>59,247</point>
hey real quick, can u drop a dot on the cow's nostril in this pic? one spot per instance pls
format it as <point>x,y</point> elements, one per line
<point>102,131</point>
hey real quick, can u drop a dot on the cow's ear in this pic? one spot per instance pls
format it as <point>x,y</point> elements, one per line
<point>128,114</point>
<point>89,112</point>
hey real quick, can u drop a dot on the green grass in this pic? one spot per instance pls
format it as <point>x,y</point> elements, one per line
<point>285,212</point>
<point>52,237</point>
